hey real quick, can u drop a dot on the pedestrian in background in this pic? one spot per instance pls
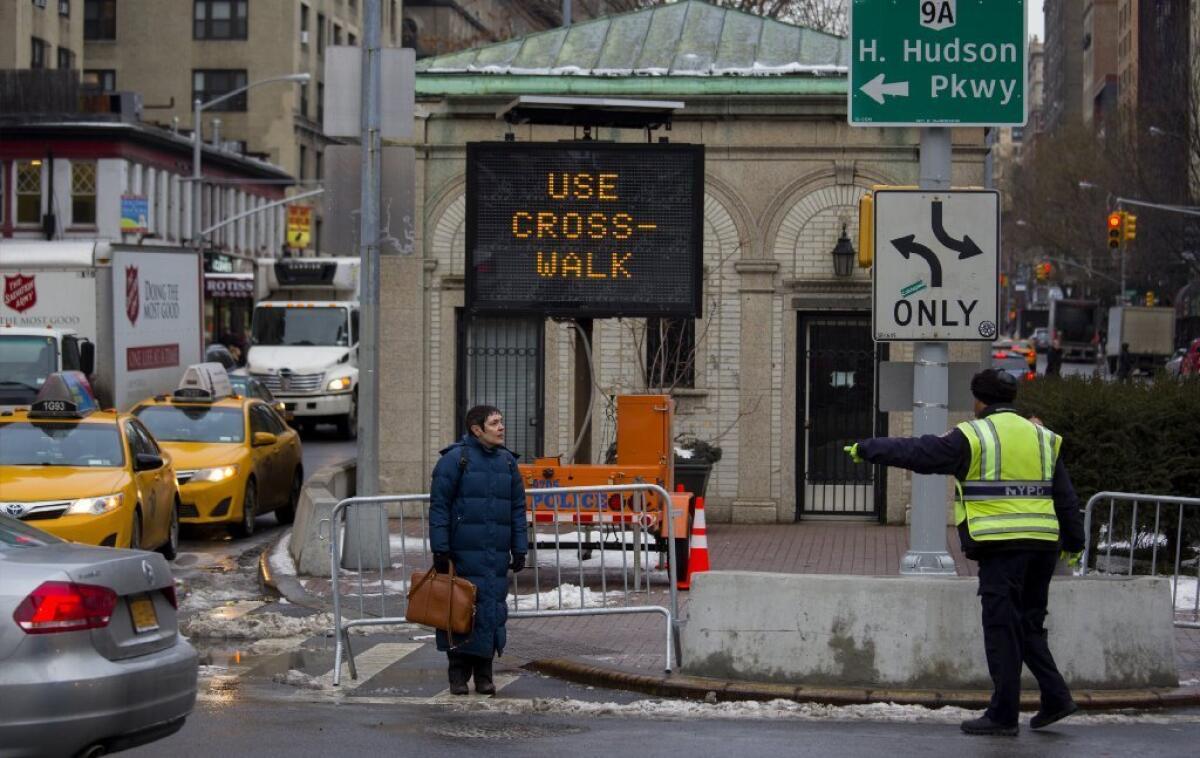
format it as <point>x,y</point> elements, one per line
<point>1016,510</point>
<point>1054,357</point>
<point>477,522</point>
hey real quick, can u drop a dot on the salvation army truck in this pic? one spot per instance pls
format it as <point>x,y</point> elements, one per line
<point>128,315</point>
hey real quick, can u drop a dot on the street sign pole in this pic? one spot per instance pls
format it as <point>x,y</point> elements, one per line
<point>927,552</point>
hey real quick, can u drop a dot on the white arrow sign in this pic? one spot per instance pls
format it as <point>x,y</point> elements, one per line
<point>876,89</point>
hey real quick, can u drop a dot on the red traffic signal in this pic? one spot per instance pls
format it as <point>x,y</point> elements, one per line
<point>1115,220</point>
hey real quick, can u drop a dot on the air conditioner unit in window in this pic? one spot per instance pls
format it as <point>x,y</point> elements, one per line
<point>304,37</point>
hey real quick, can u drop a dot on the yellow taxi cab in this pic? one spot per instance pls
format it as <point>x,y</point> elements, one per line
<point>234,456</point>
<point>87,475</point>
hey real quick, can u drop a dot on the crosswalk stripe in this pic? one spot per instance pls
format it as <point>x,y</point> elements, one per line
<point>501,681</point>
<point>370,662</point>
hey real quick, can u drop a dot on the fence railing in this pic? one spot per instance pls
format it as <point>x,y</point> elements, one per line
<point>609,585</point>
<point>1143,536</point>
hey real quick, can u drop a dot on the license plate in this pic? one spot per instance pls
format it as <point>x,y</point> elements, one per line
<point>145,619</point>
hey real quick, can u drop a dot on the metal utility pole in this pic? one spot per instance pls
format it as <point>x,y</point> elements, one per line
<point>927,552</point>
<point>566,12</point>
<point>368,371</point>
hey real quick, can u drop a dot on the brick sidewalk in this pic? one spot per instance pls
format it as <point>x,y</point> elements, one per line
<point>636,643</point>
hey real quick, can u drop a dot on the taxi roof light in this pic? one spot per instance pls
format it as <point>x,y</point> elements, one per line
<point>205,383</point>
<point>64,394</point>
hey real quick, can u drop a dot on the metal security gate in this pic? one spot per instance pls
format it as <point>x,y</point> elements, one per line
<point>500,363</point>
<point>835,406</point>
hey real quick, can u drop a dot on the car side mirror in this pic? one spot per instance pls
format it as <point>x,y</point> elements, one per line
<point>87,358</point>
<point>264,438</point>
<point>147,462</point>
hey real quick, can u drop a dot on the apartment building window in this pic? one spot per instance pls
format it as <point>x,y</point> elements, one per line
<point>303,160</point>
<point>304,100</point>
<point>64,8</point>
<point>319,166</point>
<point>392,21</point>
<point>40,3</point>
<point>670,352</point>
<point>37,53</point>
<point>219,19</point>
<point>320,106</point>
<point>351,39</point>
<point>214,82</point>
<point>66,58</point>
<point>29,192</point>
<point>337,34</point>
<point>103,79</point>
<point>100,19</point>
<point>83,193</point>
<point>304,25</point>
<point>320,34</point>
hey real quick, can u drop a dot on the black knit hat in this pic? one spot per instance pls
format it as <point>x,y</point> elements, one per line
<point>992,386</point>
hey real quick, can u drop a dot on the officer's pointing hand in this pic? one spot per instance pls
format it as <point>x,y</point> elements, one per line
<point>852,451</point>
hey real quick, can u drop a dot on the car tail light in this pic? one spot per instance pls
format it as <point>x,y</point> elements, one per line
<point>1030,376</point>
<point>65,607</point>
<point>999,354</point>
<point>169,594</point>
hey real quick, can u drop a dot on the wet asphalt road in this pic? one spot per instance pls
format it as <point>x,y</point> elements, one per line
<point>308,729</point>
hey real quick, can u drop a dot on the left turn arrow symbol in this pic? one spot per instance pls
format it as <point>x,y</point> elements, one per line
<point>877,88</point>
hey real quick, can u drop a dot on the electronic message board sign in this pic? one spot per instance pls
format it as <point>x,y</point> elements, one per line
<point>587,229</point>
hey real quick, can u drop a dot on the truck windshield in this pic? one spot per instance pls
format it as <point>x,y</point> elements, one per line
<point>25,362</point>
<point>24,443</point>
<point>300,326</point>
<point>170,423</point>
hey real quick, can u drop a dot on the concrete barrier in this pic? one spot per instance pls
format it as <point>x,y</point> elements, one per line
<point>899,632</point>
<point>309,545</point>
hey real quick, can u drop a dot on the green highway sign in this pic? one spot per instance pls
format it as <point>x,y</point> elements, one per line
<point>937,63</point>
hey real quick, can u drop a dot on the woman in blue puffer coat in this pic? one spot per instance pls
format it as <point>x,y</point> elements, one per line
<point>477,520</point>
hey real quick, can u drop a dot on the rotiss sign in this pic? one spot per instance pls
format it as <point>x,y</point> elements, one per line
<point>584,229</point>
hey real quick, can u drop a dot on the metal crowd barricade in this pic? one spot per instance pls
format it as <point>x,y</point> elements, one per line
<point>622,524</point>
<point>1138,538</point>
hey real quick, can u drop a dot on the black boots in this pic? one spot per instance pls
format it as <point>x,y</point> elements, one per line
<point>1046,718</point>
<point>463,667</point>
<point>460,673</point>
<point>985,726</point>
<point>483,676</point>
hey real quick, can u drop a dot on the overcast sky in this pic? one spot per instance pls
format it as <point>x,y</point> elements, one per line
<point>1037,20</point>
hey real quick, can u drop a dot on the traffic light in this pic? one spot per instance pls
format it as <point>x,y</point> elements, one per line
<point>1042,271</point>
<point>1114,230</point>
<point>1151,300</point>
<point>1130,227</point>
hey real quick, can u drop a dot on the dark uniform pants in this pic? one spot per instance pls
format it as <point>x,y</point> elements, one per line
<point>1014,587</point>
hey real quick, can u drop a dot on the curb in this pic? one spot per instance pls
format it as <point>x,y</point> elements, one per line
<point>704,688</point>
<point>284,585</point>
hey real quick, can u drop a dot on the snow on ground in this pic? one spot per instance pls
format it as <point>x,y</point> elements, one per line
<point>1186,599</point>
<point>206,598</point>
<point>552,600</point>
<point>413,546</point>
<point>784,709</point>
<point>257,626</point>
<point>280,560</point>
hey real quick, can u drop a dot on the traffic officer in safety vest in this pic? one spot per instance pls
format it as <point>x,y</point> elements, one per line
<point>1015,510</point>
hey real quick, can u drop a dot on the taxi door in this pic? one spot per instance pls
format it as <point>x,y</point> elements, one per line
<point>155,518</point>
<point>265,457</point>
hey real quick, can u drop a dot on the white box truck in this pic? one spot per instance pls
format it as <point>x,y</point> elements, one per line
<point>139,309</point>
<point>1149,332</point>
<point>304,338</point>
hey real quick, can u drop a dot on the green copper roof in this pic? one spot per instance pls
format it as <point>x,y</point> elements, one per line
<point>681,39</point>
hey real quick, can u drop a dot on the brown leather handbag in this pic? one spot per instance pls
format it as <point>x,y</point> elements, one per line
<point>442,601</point>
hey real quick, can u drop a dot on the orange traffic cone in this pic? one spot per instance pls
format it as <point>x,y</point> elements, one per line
<point>698,555</point>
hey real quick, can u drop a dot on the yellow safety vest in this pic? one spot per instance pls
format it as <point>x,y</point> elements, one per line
<point>1007,492</point>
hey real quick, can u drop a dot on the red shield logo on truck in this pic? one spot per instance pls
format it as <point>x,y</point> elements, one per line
<point>19,292</point>
<point>131,293</point>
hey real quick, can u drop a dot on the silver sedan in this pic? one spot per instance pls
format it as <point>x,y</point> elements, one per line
<point>91,660</point>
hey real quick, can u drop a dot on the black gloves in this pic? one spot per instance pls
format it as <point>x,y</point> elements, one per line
<point>441,563</point>
<point>518,562</point>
